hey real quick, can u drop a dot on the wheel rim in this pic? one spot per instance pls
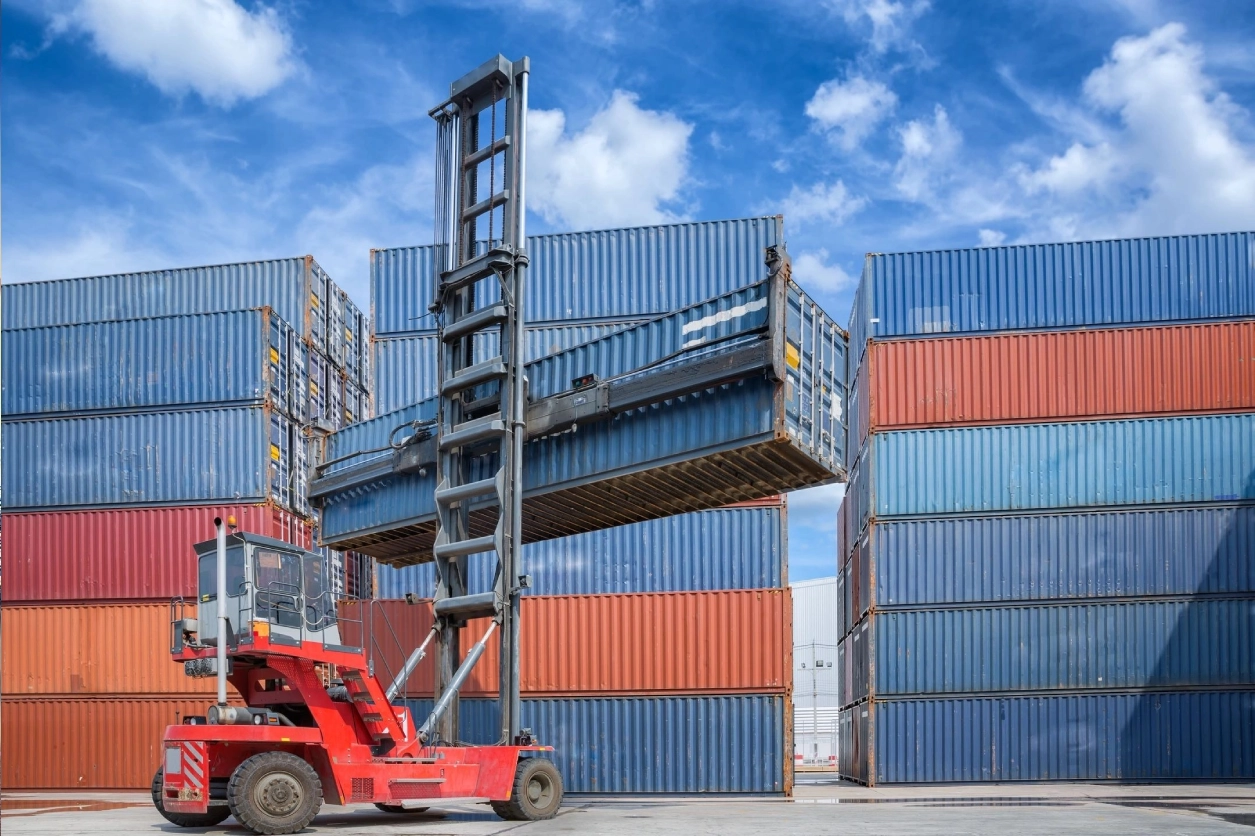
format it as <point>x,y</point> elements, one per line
<point>539,791</point>
<point>278,794</point>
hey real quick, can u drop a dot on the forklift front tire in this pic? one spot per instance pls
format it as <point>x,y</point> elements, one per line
<point>274,793</point>
<point>536,794</point>
<point>209,819</point>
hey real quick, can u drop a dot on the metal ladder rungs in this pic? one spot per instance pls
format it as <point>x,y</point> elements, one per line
<point>476,157</point>
<point>486,205</point>
<point>461,548</point>
<point>484,372</point>
<point>474,321</point>
<point>478,268</point>
<point>472,432</point>
<point>459,493</point>
<point>483,603</point>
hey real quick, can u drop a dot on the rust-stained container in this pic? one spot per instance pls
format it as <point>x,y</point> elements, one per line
<point>1053,376</point>
<point>123,554</point>
<point>87,744</point>
<point>80,649</point>
<point>718,642</point>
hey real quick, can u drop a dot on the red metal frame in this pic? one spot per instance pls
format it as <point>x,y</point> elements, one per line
<point>342,743</point>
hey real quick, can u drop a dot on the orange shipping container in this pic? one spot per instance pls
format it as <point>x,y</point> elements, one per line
<point>91,649</point>
<point>720,642</point>
<point>97,744</point>
<point>1053,376</point>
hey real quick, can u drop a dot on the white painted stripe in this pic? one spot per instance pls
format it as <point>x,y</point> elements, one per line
<point>724,316</point>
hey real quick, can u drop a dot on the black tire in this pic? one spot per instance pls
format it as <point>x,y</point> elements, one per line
<point>214,816</point>
<point>536,794</point>
<point>274,793</point>
<point>401,808</point>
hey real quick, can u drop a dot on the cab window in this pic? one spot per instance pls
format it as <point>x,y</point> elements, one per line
<point>209,574</point>
<point>278,577</point>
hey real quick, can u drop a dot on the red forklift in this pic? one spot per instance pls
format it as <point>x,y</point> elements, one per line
<point>316,723</point>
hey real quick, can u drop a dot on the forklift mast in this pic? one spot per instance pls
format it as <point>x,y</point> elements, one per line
<point>482,259</point>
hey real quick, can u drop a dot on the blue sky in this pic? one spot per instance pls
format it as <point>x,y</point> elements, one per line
<point>151,133</point>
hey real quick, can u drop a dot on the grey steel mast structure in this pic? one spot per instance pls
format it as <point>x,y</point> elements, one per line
<point>479,433</point>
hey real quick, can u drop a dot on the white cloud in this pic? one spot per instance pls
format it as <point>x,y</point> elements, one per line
<point>830,202</point>
<point>853,108</point>
<point>928,148</point>
<point>813,272</point>
<point>890,20</point>
<point>991,237</point>
<point>621,169</point>
<point>213,47</point>
<point>1175,161</point>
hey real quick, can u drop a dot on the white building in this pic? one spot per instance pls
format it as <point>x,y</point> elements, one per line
<point>815,695</point>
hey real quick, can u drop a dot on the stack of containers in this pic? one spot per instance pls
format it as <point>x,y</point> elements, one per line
<point>656,656</point>
<point>138,408</point>
<point>1046,544</point>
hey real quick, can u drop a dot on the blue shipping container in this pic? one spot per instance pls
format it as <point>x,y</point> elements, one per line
<point>219,358</point>
<point>727,548</point>
<point>1061,646</point>
<point>227,454</point>
<point>295,288</point>
<point>1153,735</point>
<point>712,744</point>
<point>802,418</point>
<point>1179,551</point>
<point>974,470</point>
<point>1046,286</point>
<point>587,275</point>
<point>405,367</point>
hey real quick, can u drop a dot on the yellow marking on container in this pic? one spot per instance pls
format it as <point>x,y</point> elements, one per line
<point>274,452</point>
<point>274,354</point>
<point>313,300</point>
<point>791,356</point>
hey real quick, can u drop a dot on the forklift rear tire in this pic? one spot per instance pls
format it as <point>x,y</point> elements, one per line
<point>401,808</point>
<point>274,793</point>
<point>209,819</point>
<point>536,794</point>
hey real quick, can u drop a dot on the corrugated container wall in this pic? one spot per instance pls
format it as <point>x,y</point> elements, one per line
<point>697,744</point>
<point>730,641</point>
<point>150,363</point>
<point>726,548</point>
<point>231,454</point>
<point>129,553</point>
<point>599,274</point>
<point>1015,378</point>
<point>1048,286</point>
<point>87,743</point>
<point>295,288</point>
<point>1157,735</point>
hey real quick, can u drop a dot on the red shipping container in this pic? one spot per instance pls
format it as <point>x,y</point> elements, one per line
<point>1054,376</point>
<point>720,642</point>
<point>87,743</point>
<point>122,554</point>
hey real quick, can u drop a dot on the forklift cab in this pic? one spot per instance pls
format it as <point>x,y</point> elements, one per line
<point>267,580</point>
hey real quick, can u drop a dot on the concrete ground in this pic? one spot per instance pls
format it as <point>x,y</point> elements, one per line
<point>822,805</point>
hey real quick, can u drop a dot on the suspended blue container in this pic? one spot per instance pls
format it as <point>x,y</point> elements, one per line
<point>1028,467</point>
<point>405,367</point>
<point>698,744</point>
<point>1154,735</point>
<point>965,560</point>
<point>727,548</point>
<point>159,363</point>
<point>601,274</point>
<point>735,441</point>
<point>1047,286</point>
